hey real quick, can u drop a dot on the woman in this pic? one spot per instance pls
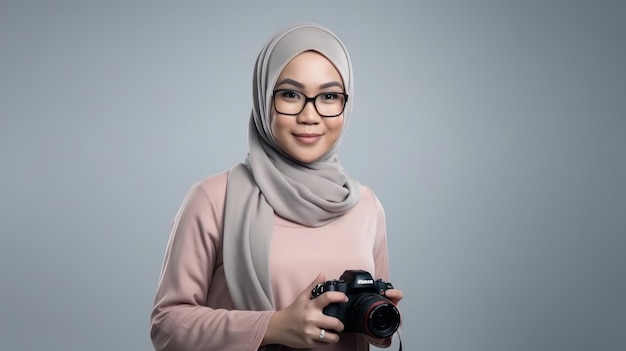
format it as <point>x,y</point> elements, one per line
<point>248,245</point>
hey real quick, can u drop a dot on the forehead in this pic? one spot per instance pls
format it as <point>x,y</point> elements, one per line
<point>310,67</point>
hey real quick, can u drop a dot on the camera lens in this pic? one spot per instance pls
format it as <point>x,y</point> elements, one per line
<point>375,315</point>
<point>383,318</point>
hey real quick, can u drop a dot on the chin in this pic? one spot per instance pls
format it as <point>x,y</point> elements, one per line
<point>305,159</point>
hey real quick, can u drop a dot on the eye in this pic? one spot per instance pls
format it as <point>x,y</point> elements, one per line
<point>288,95</point>
<point>330,97</point>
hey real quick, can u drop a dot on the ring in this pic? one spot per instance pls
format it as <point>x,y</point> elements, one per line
<point>322,334</point>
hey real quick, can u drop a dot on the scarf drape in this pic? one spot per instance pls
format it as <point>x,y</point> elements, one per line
<point>269,182</point>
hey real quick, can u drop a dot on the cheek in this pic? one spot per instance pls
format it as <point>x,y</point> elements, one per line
<point>278,124</point>
<point>281,129</point>
<point>335,124</point>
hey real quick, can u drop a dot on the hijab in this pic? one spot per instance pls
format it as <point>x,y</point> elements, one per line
<point>270,183</point>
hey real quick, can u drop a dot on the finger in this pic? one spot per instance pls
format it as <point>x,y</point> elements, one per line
<point>331,323</point>
<point>329,297</point>
<point>306,293</point>
<point>326,336</point>
<point>395,295</point>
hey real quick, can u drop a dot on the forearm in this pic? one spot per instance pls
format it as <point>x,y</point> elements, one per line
<point>199,328</point>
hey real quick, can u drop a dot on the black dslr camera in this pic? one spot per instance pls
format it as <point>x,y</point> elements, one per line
<point>366,311</point>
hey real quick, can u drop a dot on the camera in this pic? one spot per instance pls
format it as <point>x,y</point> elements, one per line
<point>367,310</point>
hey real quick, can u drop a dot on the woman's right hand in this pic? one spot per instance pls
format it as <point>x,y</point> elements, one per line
<point>300,325</point>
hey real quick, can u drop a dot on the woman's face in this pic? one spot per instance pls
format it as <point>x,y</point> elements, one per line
<point>307,136</point>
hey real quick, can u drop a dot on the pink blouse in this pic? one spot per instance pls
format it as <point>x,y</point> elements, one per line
<point>193,310</point>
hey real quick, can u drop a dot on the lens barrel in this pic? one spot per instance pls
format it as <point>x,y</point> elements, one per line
<point>375,315</point>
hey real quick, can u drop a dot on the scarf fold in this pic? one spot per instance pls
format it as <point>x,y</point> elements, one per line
<point>269,182</point>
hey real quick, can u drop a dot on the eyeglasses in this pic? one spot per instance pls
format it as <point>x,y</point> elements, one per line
<point>292,103</point>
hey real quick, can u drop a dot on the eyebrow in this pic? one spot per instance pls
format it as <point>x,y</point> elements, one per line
<point>301,86</point>
<point>331,84</point>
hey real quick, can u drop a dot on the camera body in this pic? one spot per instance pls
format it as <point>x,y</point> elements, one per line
<point>367,310</point>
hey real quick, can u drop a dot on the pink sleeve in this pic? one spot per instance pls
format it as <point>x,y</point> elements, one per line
<point>381,256</point>
<point>180,319</point>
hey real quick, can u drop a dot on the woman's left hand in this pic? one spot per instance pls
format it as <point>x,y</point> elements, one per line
<point>395,295</point>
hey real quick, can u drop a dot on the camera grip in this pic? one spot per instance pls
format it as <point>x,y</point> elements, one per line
<point>331,310</point>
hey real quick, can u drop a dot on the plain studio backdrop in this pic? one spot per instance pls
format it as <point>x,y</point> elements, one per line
<point>493,132</point>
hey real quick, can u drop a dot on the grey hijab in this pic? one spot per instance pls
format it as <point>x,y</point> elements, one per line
<point>269,182</point>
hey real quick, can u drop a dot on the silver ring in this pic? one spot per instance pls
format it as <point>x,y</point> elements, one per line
<point>322,334</point>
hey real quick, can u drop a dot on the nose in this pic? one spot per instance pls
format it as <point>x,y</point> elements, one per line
<point>309,114</point>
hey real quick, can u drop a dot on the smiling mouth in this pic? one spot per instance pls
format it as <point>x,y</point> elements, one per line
<point>308,138</point>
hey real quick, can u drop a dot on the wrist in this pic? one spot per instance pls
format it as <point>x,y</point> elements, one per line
<point>273,331</point>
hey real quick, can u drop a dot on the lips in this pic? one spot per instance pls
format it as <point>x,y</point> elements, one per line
<point>308,138</point>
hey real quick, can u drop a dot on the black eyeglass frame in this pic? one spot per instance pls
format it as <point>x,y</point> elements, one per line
<point>307,100</point>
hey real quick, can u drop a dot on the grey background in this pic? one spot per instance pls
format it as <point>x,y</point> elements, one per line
<point>493,133</point>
